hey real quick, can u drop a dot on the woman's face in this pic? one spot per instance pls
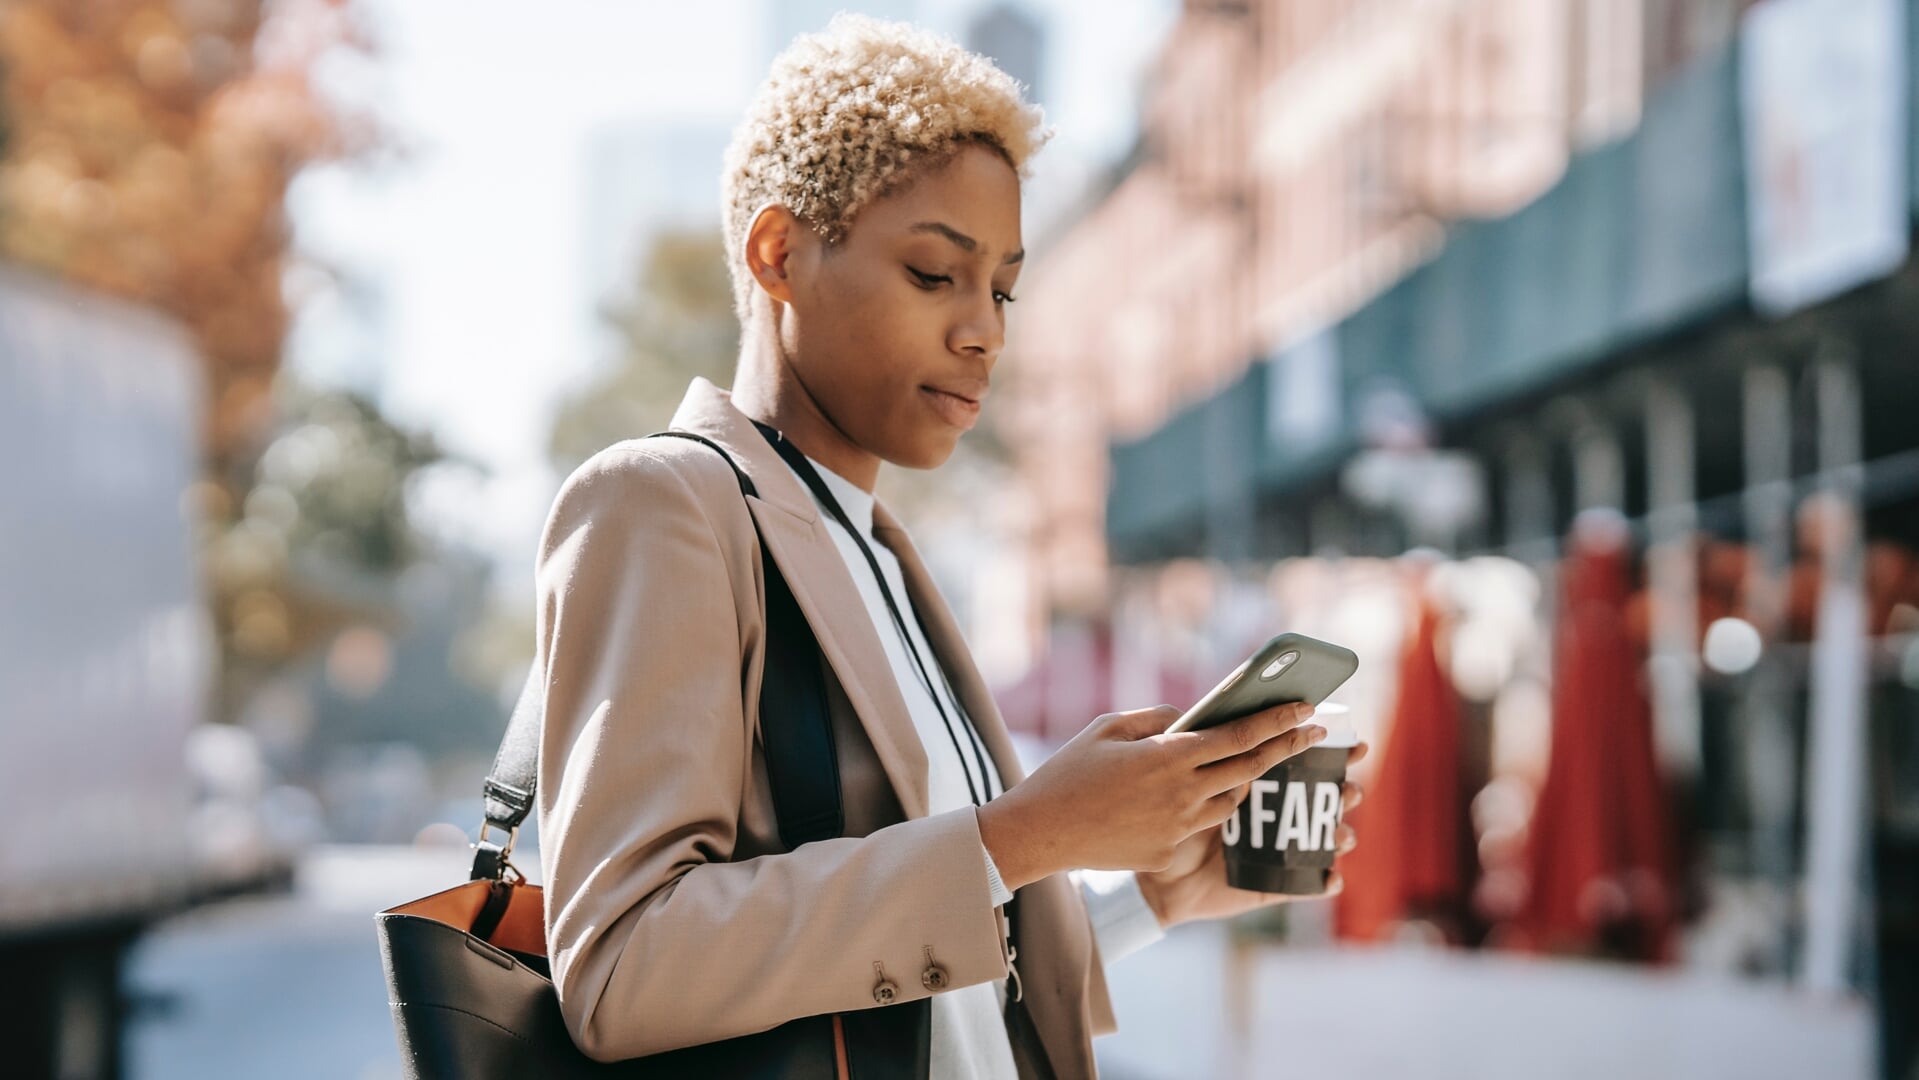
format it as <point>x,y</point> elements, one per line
<point>894,332</point>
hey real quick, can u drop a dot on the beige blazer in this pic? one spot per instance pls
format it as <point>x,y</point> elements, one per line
<point>673,914</point>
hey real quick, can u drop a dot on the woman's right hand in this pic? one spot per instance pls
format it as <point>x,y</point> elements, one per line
<point>1122,793</point>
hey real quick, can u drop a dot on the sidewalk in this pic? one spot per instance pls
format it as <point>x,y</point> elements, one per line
<point>1360,1013</point>
<point>290,986</point>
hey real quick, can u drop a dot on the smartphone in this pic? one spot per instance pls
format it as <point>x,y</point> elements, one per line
<point>1290,667</point>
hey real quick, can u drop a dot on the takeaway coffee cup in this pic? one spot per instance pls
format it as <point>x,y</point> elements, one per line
<point>1281,839</point>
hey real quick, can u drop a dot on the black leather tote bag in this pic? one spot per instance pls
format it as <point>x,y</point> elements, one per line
<point>466,969</point>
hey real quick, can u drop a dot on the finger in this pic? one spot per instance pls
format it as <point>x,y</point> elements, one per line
<point>1135,724</point>
<point>1358,751</point>
<point>1346,839</point>
<point>1335,884</point>
<point>1242,769</point>
<point>1214,811</point>
<point>1245,733</point>
<point>1350,794</point>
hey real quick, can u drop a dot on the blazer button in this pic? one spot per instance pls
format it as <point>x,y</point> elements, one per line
<point>885,990</point>
<point>934,977</point>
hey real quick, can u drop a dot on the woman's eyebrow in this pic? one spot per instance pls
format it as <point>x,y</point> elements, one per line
<point>965,242</point>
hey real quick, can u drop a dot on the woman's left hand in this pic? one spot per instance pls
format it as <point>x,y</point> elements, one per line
<point>1194,885</point>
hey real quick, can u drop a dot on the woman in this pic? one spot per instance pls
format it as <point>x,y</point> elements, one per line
<point>872,202</point>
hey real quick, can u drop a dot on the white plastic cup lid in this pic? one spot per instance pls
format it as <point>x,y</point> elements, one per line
<point>1332,716</point>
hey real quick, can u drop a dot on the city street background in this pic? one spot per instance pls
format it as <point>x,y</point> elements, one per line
<point>1558,357</point>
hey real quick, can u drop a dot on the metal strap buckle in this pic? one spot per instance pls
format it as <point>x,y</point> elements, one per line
<point>508,872</point>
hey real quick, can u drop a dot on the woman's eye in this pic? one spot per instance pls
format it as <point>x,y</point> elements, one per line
<point>933,281</point>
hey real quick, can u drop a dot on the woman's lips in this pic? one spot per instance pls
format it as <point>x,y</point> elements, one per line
<point>957,411</point>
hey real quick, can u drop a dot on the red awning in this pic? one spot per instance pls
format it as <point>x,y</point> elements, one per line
<point>1600,871</point>
<point>1415,856</point>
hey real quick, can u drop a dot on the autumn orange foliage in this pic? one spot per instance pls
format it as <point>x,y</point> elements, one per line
<point>148,149</point>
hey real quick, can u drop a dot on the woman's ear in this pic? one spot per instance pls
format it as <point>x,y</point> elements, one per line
<point>770,243</point>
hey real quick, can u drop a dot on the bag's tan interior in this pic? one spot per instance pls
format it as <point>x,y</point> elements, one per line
<point>521,929</point>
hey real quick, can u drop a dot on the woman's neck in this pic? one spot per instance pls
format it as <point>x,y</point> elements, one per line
<point>766,388</point>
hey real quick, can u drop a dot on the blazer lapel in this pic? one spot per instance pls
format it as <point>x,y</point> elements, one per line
<point>949,645</point>
<point>796,536</point>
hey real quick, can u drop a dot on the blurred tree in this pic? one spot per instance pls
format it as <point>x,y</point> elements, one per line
<point>148,147</point>
<point>677,323</point>
<point>322,535</point>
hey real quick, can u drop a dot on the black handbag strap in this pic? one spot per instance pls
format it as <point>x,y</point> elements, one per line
<point>802,768</point>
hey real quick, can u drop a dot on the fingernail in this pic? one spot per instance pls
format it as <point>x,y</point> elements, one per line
<point>1316,733</point>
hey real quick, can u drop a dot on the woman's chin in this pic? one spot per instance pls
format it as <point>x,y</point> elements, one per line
<point>930,452</point>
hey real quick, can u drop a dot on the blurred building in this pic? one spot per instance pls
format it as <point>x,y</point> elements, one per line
<point>1015,41</point>
<point>1387,275</point>
<point>1293,161</point>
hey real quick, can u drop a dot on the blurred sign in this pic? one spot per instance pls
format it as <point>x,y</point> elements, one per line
<point>1823,89</point>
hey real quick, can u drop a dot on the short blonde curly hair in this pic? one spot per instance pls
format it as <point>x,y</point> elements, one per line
<point>851,114</point>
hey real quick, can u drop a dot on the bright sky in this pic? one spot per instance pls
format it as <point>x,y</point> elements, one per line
<point>474,249</point>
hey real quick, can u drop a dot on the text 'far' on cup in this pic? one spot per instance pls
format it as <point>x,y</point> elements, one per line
<point>1282,839</point>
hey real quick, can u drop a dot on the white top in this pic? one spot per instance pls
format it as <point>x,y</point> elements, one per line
<point>969,1035</point>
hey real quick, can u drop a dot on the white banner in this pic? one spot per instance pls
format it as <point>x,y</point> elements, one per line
<point>1823,101</point>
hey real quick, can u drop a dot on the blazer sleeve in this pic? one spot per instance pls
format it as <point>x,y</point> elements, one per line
<point>656,940</point>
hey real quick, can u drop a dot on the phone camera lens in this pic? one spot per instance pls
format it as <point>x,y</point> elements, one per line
<point>1280,664</point>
